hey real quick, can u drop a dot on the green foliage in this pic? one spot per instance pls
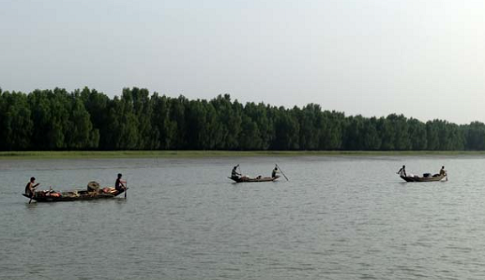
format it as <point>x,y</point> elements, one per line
<point>475,136</point>
<point>81,133</point>
<point>417,135</point>
<point>16,122</point>
<point>287,130</point>
<point>89,120</point>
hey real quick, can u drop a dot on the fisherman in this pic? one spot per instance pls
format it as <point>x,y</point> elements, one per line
<point>275,171</point>
<point>402,171</point>
<point>30,187</point>
<point>234,173</point>
<point>442,171</point>
<point>119,185</point>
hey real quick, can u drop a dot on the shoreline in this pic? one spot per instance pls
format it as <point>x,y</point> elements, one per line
<point>212,154</point>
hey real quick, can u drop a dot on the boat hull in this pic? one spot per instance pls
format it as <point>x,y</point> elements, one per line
<point>83,195</point>
<point>253,180</point>
<point>423,179</point>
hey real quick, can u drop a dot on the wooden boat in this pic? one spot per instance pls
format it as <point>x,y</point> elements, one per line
<point>434,178</point>
<point>258,179</point>
<point>55,196</point>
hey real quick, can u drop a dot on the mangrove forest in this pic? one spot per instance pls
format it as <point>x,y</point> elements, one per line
<point>51,120</point>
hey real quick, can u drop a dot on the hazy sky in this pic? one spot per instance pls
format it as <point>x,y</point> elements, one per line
<point>424,59</point>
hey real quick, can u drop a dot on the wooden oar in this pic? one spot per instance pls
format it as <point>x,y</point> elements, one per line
<point>282,172</point>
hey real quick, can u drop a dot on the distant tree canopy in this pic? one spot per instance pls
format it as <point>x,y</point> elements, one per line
<point>90,120</point>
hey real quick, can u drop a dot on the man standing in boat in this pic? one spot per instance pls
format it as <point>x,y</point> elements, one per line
<point>234,173</point>
<point>402,171</point>
<point>30,187</point>
<point>275,171</point>
<point>119,186</point>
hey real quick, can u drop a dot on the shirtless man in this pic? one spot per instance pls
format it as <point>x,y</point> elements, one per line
<point>402,171</point>
<point>442,171</point>
<point>30,187</point>
<point>119,185</point>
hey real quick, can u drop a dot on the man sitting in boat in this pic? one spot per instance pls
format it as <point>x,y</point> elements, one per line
<point>234,173</point>
<point>275,171</point>
<point>119,186</point>
<point>402,171</point>
<point>30,187</point>
<point>442,171</point>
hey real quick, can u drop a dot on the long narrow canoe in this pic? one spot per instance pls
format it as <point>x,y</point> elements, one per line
<point>434,178</point>
<point>55,196</point>
<point>245,179</point>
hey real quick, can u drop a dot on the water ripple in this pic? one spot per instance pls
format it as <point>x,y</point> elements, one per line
<point>337,218</point>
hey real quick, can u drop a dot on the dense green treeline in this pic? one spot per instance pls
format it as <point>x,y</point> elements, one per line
<point>90,120</point>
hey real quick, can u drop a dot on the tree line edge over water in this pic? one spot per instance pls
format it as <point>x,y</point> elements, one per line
<point>137,120</point>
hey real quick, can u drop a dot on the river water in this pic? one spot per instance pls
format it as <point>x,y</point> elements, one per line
<point>337,217</point>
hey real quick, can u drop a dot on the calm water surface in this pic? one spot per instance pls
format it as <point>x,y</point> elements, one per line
<point>337,218</point>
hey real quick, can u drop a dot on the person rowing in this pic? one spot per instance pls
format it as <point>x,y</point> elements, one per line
<point>275,171</point>
<point>442,171</point>
<point>119,185</point>
<point>30,187</point>
<point>402,171</point>
<point>234,173</point>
